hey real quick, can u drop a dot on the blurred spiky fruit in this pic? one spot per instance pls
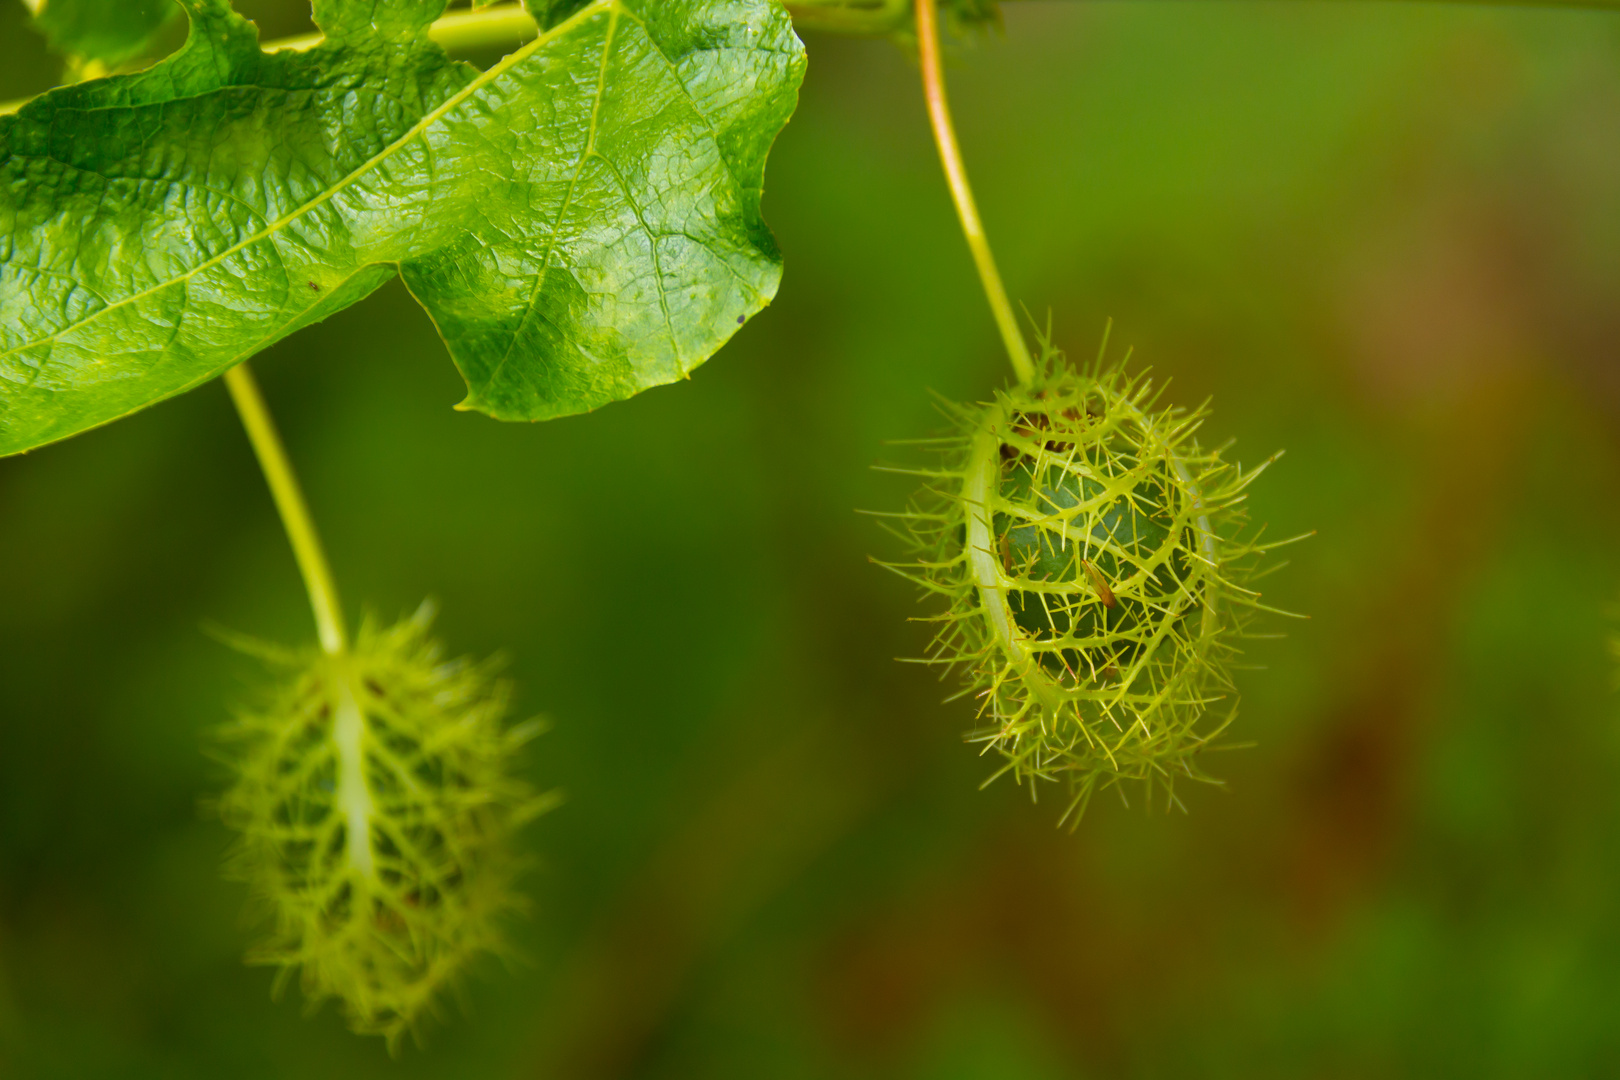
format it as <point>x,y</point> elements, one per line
<point>1092,557</point>
<point>376,800</point>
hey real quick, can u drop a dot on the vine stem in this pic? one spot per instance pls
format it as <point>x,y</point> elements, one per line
<point>509,23</point>
<point>278,473</point>
<point>950,155</point>
<point>501,24</point>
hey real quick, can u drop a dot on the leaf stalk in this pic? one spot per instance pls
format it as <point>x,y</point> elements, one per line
<point>294,511</point>
<point>967,211</point>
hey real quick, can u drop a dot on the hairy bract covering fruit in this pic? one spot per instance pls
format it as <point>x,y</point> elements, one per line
<point>1090,553</point>
<point>375,800</point>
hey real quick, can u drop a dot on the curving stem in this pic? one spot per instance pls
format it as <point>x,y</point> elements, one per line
<point>278,473</point>
<point>950,155</point>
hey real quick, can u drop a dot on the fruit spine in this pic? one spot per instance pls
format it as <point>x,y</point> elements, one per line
<point>375,803</point>
<point>1091,555</point>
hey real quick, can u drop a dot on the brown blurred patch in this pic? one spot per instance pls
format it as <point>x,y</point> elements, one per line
<point>1354,780</point>
<point>1436,302</point>
<point>743,839</point>
<point>1012,910</point>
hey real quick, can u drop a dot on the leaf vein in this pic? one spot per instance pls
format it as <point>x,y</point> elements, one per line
<point>568,198</point>
<point>417,130</point>
<point>658,266</point>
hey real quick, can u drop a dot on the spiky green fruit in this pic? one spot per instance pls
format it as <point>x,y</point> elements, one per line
<point>1092,557</point>
<point>376,800</point>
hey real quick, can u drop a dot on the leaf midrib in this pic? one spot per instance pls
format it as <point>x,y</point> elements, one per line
<point>596,7</point>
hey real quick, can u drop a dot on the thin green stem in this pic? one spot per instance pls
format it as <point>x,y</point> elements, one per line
<point>502,24</point>
<point>278,473</point>
<point>876,17</point>
<point>859,17</point>
<point>950,155</point>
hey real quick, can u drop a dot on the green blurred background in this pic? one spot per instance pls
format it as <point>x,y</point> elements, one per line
<point>1385,237</point>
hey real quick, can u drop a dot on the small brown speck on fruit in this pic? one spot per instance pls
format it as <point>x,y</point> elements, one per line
<point>1103,591</point>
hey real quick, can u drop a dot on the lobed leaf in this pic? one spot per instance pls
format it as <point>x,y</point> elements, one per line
<point>581,221</point>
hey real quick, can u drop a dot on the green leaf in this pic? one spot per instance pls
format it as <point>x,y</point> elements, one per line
<point>108,32</point>
<point>581,221</point>
<point>551,12</point>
